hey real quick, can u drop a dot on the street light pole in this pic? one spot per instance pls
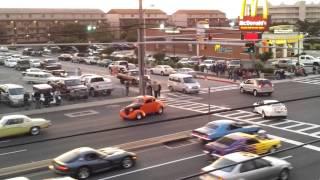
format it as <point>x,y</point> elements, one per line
<point>141,50</point>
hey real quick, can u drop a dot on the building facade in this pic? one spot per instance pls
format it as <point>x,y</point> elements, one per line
<point>189,18</point>
<point>292,13</point>
<point>33,25</point>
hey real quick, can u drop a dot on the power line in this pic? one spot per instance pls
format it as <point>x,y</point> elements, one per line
<point>151,123</point>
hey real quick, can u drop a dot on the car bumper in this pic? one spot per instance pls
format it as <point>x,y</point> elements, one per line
<point>125,116</point>
<point>70,173</point>
<point>192,90</point>
<point>276,114</point>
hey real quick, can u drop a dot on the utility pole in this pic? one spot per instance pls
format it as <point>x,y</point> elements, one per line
<point>141,50</point>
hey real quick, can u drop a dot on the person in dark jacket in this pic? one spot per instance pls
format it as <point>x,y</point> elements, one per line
<point>159,89</point>
<point>37,97</point>
<point>127,85</point>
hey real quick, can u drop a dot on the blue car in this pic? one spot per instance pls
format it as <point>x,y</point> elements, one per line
<point>219,128</point>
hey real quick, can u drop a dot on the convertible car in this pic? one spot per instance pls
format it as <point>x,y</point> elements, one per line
<point>141,107</point>
<point>235,142</point>
<point>220,128</point>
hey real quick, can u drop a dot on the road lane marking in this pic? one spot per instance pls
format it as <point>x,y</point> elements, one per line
<point>287,157</point>
<point>81,113</point>
<point>154,166</point>
<point>13,152</point>
<point>297,143</point>
<point>6,141</point>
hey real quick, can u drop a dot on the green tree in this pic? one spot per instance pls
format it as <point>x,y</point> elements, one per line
<point>159,56</point>
<point>265,56</point>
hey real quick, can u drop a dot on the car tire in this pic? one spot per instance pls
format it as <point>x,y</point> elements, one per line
<point>151,72</point>
<point>284,174</point>
<point>160,111</point>
<point>273,149</point>
<point>127,163</point>
<point>255,93</point>
<point>264,116</point>
<point>83,173</point>
<point>170,88</point>
<point>108,92</point>
<point>162,73</point>
<point>242,90</point>
<point>139,116</point>
<point>35,131</point>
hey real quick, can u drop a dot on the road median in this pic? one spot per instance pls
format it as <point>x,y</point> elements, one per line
<point>33,167</point>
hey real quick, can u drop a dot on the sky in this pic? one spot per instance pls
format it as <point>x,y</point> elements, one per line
<point>230,7</point>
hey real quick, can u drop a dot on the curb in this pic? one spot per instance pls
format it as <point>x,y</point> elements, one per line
<point>33,167</point>
<point>73,106</point>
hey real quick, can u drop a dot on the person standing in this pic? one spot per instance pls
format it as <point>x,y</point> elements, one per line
<point>37,97</point>
<point>155,88</point>
<point>149,88</point>
<point>26,98</point>
<point>127,86</point>
<point>78,72</point>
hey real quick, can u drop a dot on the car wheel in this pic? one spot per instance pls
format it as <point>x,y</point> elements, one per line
<point>35,131</point>
<point>255,93</point>
<point>184,91</point>
<point>108,92</point>
<point>83,173</point>
<point>151,72</point>
<point>272,149</point>
<point>139,116</point>
<point>284,174</point>
<point>127,163</point>
<point>264,116</point>
<point>160,110</point>
<point>241,90</point>
<point>171,88</point>
<point>162,74</point>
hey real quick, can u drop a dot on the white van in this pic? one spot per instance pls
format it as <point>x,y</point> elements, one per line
<point>12,94</point>
<point>39,77</point>
<point>184,83</point>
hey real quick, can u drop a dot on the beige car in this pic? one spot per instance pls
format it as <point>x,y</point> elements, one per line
<point>257,86</point>
<point>12,125</point>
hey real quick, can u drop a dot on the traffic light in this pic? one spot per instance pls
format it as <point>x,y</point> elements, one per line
<point>250,47</point>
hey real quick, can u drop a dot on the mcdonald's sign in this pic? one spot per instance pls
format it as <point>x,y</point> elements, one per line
<point>250,20</point>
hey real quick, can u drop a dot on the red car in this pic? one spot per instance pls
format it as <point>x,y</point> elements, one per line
<point>141,107</point>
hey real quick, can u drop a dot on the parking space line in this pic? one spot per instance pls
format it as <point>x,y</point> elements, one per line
<point>255,118</point>
<point>251,114</point>
<point>308,128</point>
<point>296,125</point>
<point>234,114</point>
<point>262,122</point>
<point>13,152</point>
<point>81,113</point>
<point>283,122</point>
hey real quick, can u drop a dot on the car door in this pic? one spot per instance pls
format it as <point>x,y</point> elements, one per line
<point>255,146</point>
<point>96,162</point>
<point>250,171</point>
<point>148,106</point>
<point>12,127</point>
<point>265,170</point>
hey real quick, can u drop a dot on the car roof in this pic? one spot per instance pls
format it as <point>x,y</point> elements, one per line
<point>222,122</point>
<point>81,150</point>
<point>257,79</point>
<point>186,69</point>
<point>13,116</point>
<point>240,135</point>
<point>240,156</point>
<point>42,86</point>
<point>13,86</point>
<point>270,101</point>
<point>180,75</point>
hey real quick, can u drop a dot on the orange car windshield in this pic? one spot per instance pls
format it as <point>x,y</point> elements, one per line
<point>139,101</point>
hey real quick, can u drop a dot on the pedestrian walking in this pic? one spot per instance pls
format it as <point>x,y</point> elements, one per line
<point>230,73</point>
<point>155,88</point>
<point>26,98</point>
<point>159,89</point>
<point>149,88</point>
<point>37,97</point>
<point>78,72</point>
<point>127,85</point>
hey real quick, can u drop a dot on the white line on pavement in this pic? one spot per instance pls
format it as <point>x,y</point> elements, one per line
<point>13,152</point>
<point>297,143</point>
<point>287,157</point>
<point>154,166</point>
<point>6,141</point>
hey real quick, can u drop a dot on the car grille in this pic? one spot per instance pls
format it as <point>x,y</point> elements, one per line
<point>195,87</point>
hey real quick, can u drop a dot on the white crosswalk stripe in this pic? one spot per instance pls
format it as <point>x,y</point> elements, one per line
<point>293,126</point>
<point>218,88</point>
<point>314,80</point>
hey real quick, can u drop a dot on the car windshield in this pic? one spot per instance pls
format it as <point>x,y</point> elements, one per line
<point>226,141</point>
<point>207,62</point>
<point>35,61</point>
<point>48,75</point>
<point>123,63</point>
<point>72,82</point>
<point>16,91</point>
<point>264,82</point>
<point>138,101</point>
<point>188,80</point>
<point>235,62</point>
<point>51,61</point>
<point>224,162</point>
<point>211,126</point>
<point>68,157</point>
<point>97,79</point>
<point>23,62</point>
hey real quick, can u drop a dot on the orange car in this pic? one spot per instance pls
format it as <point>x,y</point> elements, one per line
<point>142,106</point>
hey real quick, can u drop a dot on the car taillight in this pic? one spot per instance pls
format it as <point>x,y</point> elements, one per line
<point>62,168</point>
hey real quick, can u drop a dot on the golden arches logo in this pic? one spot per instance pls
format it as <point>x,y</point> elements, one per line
<point>253,9</point>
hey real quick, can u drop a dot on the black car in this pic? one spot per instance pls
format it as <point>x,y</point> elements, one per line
<point>82,162</point>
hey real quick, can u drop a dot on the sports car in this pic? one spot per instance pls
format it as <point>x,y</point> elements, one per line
<point>82,162</point>
<point>141,107</point>
<point>270,108</point>
<point>12,125</point>
<point>235,142</point>
<point>220,128</point>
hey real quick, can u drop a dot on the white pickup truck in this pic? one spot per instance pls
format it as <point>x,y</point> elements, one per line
<point>97,85</point>
<point>307,59</point>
